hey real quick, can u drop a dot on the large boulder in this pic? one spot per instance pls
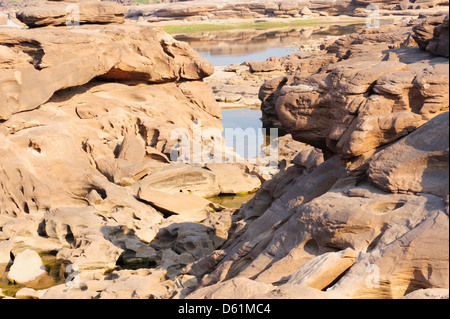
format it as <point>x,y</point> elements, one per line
<point>439,44</point>
<point>424,32</point>
<point>191,207</point>
<point>371,220</point>
<point>178,178</point>
<point>27,267</point>
<point>418,163</point>
<point>233,179</point>
<point>113,52</point>
<point>372,97</point>
<point>71,14</point>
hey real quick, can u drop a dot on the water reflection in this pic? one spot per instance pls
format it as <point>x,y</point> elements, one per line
<point>250,121</point>
<point>53,277</point>
<point>237,46</point>
<point>232,201</point>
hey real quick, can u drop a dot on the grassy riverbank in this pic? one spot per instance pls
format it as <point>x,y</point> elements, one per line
<point>263,24</point>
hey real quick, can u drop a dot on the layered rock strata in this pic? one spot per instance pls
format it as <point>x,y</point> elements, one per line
<point>371,220</point>
<point>204,10</point>
<point>89,117</point>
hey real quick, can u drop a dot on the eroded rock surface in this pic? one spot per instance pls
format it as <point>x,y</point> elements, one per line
<point>361,94</point>
<point>51,58</point>
<point>89,120</point>
<point>58,13</point>
<point>371,220</point>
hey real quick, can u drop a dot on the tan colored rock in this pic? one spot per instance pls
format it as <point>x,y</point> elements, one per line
<point>183,178</point>
<point>180,243</point>
<point>233,179</point>
<point>217,10</point>
<point>91,252</point>
<point>5,250</point>
<point>184,10</point>
<point>439,45</point>
<point>418,163</point>
<point>191,207</point>
<point>65,223</point>
<point>141,284</point>
<point>73,149</point>
<point>3,19</point>
<point>267,66</point>
<point>405,95</point>
<point>158,58</point>
<point>26,233</point>
<point>309,157</point>
<point>237,288</point>
<point>323,270</point>
<point>27,267</point>
<point>389,127</point>
<point>62,292</point>
<point>28,293</point>
<point>274,206</point>
<point>293,291</point>
<point>302,217</point>
<point>391,271</point>
<point>68,14</point>
<point>423,32</point>
<point>305,11</point>
<point>123,284</point>
<point>431,293</point>
<point>132,148</point>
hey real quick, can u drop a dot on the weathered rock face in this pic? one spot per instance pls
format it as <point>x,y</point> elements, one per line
<point>87,117</point>
<point>51,58</point>
<point>86,114</point>
<point>439,45</point>
<point>369,221</point>
<point>373,96</point>
<point>294,246</point>
<point>26,267</point>
<point>424,32</point>
<point>69,13</point>
<point>390,169</point>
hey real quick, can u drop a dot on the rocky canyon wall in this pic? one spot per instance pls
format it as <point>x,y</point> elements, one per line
<point>371,220</point>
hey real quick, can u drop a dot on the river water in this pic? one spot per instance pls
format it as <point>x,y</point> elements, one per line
<point>229,47</point>
<point>223,48</point>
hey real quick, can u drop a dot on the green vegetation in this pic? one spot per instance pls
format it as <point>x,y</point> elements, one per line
<point>209,27</point>
<point>232,201</point>
<point>10,289</point>
<point>49,260</point>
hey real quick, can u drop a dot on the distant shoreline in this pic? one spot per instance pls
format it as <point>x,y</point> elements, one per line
<point>183,26</point>
<point>262,24</point>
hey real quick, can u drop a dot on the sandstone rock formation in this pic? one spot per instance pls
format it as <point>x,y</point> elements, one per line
<point>200,10</point>
<point>27,267</point>
<point>371,221</point>
<point>60,13</point>
<point>424,32</point>
<point>238,85</point>
<point>53,60</point>
<point>371,97</point>
<point>439,44</point>
<point>91,116</point>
